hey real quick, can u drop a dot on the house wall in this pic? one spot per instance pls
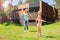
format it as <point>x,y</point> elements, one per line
<point>23,6</point>
<point>48,13</point>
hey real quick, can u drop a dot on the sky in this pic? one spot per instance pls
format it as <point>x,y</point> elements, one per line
<point>15,2</point>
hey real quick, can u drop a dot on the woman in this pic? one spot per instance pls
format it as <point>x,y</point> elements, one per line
<point>25,19</point>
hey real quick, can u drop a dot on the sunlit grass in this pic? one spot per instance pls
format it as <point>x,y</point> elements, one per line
<point>16,32</point>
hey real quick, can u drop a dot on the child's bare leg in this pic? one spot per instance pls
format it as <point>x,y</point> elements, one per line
<point>38,32</point>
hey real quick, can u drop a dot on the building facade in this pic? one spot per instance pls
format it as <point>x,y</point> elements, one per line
<point>49,13</point>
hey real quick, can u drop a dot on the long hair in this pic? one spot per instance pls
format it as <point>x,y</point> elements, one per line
<point>39,13</point>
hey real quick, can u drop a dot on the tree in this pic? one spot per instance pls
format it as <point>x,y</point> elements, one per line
<point>36,0</point>
<point>8,9</point>
<point>27,1</point>
<point>57,3</point>
<point>20,2</point>
<point>58,6</point>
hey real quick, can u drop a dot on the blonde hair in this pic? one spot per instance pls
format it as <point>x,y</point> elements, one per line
<point>39,13</point>
<point>26,10</point>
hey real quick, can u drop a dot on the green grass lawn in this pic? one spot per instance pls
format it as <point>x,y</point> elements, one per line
<point>16,32</point>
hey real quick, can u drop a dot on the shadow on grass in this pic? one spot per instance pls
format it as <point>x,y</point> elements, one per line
<point>47,23</point>
<point>49,37</point>
<point>32,31</point>
<point>11,23</point>
<point>17,24</point>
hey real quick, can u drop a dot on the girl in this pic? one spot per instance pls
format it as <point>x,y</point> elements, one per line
<point>25,19</point>
<point>39,23</point>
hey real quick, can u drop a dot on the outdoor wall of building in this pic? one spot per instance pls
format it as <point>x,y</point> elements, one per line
<point>34,6</point>
<point>48,12</point>
<point>23,6</point>
<point>56,14</point>
<point>34,9</point>
<point>44,9</point>
<point>32,20</point>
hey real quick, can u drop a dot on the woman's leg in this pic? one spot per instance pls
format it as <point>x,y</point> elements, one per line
<point>27,26</point>
<point>24,26</point>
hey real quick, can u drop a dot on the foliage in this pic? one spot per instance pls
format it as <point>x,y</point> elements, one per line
<point>58,1</point>
<point>8,10</point>
<point>20,2</point>
<point>27,1</point>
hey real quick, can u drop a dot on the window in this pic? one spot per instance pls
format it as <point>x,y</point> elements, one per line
<point>33,9</point>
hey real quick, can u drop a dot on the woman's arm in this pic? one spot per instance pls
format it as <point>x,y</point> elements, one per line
<point>29,14</point>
